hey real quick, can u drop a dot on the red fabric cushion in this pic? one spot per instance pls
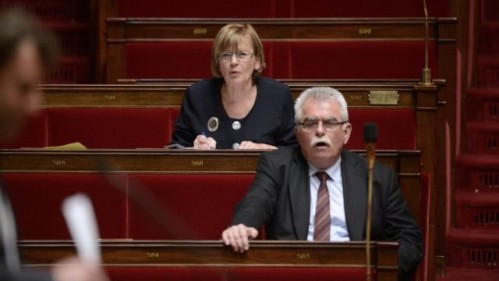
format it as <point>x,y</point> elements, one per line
<point>162,273</point>
<point>352,60</point>
<point>233,273</point>
<point>168,59</point>
<point>368,8</point>
<point>281,8</point>
<point>110,127</point>
<point>37,198</point>
<point>196,206</point>
<point>396,127</point>
<point>297,273</point>
<point>287,59</point>
<point>33,133</point>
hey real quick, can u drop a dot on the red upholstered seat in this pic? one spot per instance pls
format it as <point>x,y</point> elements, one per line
<point>197,206</point>
<point>168,59</point>
<point>286,59</point>
<point>162,273</point>
<point>280,8</point>
<point>110,127</point>
<point>233,273</point>
<point>396,127</point>
<point>297,273</point>
<point>351,59</point>
<point>33,134</point>
<point>37,199</point>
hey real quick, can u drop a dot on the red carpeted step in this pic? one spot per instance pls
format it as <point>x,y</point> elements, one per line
<point>488,38</point>
<point>483,138</point>
<point>466,274</point>
<point>488,70</point>
<point>473,248</point>
<point>490,11</point>
<point>53,10</point>
<point>483,104</point>
<point>477,210</point>
<point>477,173</point>
<point>70,70</point>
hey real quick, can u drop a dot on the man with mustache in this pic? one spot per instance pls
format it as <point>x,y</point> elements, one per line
<point>318,191</point>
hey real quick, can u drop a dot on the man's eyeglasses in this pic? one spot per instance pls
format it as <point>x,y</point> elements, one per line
<point>226,56</point>
<point>312,124</point>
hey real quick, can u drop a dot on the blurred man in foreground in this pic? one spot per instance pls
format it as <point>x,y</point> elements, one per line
<point>26,52</point>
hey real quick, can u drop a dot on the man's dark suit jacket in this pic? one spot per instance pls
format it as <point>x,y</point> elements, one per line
<point>280,198</point>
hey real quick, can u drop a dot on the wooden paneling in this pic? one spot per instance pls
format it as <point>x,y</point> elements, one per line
<point>296,29</point>
<point>213,253</point>
<point>169,93</point>
<point>407,163</point>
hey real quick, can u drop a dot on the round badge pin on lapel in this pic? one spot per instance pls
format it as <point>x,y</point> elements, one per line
<point>212,124</point>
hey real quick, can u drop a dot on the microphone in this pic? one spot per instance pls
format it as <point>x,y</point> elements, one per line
<point>370,137</point>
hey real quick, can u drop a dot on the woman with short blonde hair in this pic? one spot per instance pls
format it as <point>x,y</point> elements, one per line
<point>237,108</point>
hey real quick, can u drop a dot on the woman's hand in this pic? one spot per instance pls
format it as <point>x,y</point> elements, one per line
<point>253,145</point>
<point>202,142</point>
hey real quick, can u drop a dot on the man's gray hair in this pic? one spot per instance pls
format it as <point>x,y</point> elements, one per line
<point>321,94</point>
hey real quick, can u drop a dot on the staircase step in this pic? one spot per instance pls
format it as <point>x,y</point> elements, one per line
<point>466,274</point>
<point>54,10</point>
<point>70,70</point>
<point>483,138</point>
<point>488,40</point>
<point>488,70</point>
<point>477,210</point>
<point>490,11</point>
<point>477,173</point>
<point>483,104</point>
<point>473,248</point>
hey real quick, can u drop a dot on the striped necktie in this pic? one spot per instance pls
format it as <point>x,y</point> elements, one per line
<point>322,220</point>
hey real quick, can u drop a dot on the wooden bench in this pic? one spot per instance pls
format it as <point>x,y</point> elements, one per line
<point>143,116</point>
<point>38,181</point>
<point>210,260</point>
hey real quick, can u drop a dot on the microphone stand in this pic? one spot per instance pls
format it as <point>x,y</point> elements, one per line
<point>370,137</point>
<point>426,72</point>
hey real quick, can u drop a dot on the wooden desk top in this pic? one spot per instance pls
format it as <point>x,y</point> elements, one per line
<point>169,93</point>
<point>165,161</point>
<point>262,253</point>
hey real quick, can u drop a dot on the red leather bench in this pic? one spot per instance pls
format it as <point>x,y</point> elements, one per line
<point>152,127</point>
<point>233,273</point>
<point>37,199</point>
<point>33,134</point>
<point>280,8</point>
<point>193,206</point>
<point>198,206</point>
<point>110,127</point>
<point>286,59</point>
<point>396,127</point>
